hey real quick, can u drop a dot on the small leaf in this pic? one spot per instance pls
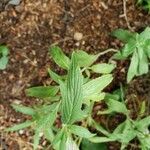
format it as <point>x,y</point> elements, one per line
<point>145,34</point>
<point>103,68</point>
<point>81,131</point>
<point>20,126</point>
<point>36,140</point>
<point>143,123</point>
<point>47,120</point>
<point>49,135</point>
<point>95,98</point>
<point>100,139</point>
<point>127,50</point>
<point>54,76</point>
<point>59,57</point>
<point>147,48</point>
<point>96,85</point>
<point>124,133</point>
<point>87,145</point>
<point>58,137</point>
<point>3,62</point>
<point>123,35</point>
<point>24,109</point>
<point>143,62</point>
<point>100,128</point>
<point>84,59</point>
<point>63,142</point>
<point>142,109</point>
<point>42,92</point>
<point>71,145</point>
<point>46,108</point>
<point>4,50</point>
<point>115,106</point>
<point>133,68</point>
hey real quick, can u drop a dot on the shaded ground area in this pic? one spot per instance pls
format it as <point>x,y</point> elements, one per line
<point>31,27</point>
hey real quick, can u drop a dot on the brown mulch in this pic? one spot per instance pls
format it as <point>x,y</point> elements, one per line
<point>31,27</point>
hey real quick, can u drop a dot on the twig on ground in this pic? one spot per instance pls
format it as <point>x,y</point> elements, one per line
<point>125,15</point>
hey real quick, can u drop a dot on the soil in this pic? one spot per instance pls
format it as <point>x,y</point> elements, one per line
<point>28,29</point>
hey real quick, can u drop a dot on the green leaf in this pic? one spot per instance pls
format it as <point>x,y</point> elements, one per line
<point>59,57</point>
<point>20,126</point>
<point>84,59</point>
<point>115,106</point>
<point>124,133</point>
<point>58,137</point>
<point>71,145</point>
<point>96,85</point>
<point>103,68</point>
<point>143,62</point>
<point>97,139</point>
<point>119,128</point>
<point>44,123</point>
<point>72,93</point>
<point>146,48</point>
<point>143,123</point>
<point>127,50</point>
<point>49,135</point>
<point>81,131</point>
<point>54,76</point>
<point>100,128</point>
<point>87,145</point>
<point>133,68</point>
<point>3,62</point>
<point>47,120</point>
<point>145,34</point>
<point>42,92</point>
<point>36,140</point>
<point>46,108</point>
<point>144,142</point>
<point>24,109</point>
<point>63,142</point>
<point>95,98</point>
<point>123,35</point>
<point>4,50</point>
<point>142,109</point>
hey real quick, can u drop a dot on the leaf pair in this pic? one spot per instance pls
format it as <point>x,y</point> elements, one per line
<point>137,45</point>
<point>84,60</point>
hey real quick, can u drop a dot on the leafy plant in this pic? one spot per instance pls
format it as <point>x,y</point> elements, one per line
<point>3,57</point>
<point>72,96</point>
<point>144,3</point>
<point>138,47</point>
<point>126,131</point>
